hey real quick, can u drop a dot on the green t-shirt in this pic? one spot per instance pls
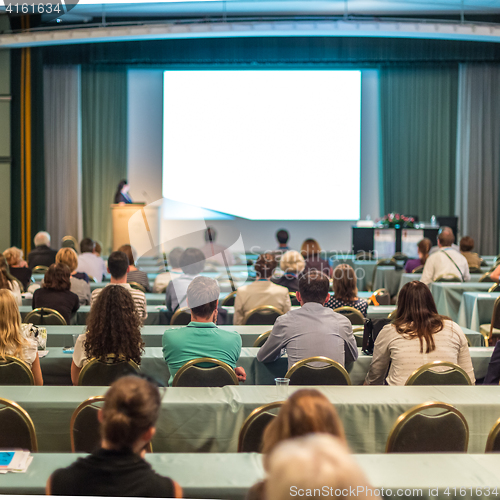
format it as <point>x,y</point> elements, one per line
<point>199,340</point>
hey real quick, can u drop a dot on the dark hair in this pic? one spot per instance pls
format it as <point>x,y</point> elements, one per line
<point>202,296</point>
<point>87,245</point>
<point>344,283</point>
<point>122,183</point>
<point>265,265</point>
<point>131,407</point>
<point>118,264</point>
<point>466,244</point>
<point>417,316</point>
<point>127,250</point>
<point>446,236</point>
<point>424,247</point>
<point>192,261</point>
<point>113,325</point>
<point>282,236</point>
<point>174,258</point>
<point>313,286</point>
<point>210,234</point>
<point>57,277</point>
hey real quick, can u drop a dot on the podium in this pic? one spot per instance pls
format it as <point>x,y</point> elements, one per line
<point>125,224</point>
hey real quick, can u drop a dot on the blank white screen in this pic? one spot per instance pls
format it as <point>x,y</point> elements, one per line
<point>266,145</point>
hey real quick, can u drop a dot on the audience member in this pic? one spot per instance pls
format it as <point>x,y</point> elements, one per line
<point>8,281</point>
<point>418,335</point>
<point>80,286</point>
<point>118,469</point>
<point>202,338</point>
<point>42,254</point>
<point>466,246</point>
<point>447,261</point>
<point>113,327</point>
<point>450,235</point>
<point>493,374</point>
<point>121,196</point>
<point>134,275</point>
<point>312,330</point>
<point>89,262</point>
<point>213,252</point>
<point>118,268</point>
<point>174,266</point>
<point>282,237</point>
<point>261,292</point>
<point>16,339</point>
<point>17,266</point>
<point>97,248</point>
<point>345,290</point>
<point>311,251</point>
<point>292,263</point>
<point>55,292</point>
<point>424,247</point>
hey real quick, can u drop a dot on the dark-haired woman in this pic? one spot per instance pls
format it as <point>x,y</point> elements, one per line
<point>121,195</point>
<point>55,292</point>
<point>118,468</point>
<point>424,247</point>
<point>345,290</point>
<point>113,327</point>
<point>418,335</point>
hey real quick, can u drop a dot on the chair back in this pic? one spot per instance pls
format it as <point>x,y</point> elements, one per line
<point>418,270</point>
<point>262,315</point>
<point>70,241</point>
<point>106,371</point>
<point>429,428</point>
<point>330,373</point>
<point>293,299</point>
<point>475,270</point>
<point>39,270</point>
<point>261,339</point>
<point>495,322</point>
<point>485,278</point>
<point>84,426</point>
<point>355,316</point>
<point>401,257</point>
<point>229,299</point>
<point>42,316</point>
<point>494,288</point>
<point>191,374</point>
<point>252,430</point>
<point>181,317</point>
<point>18,430</point>
<point>493,441</point>
<point>19,284</point>
<point>427,375</point>
<point>137,286</point>
<point>358,333</point>
<point>381,262</point>
<point>14,371</point>
<point>382,296</point>
<point>448,278</point>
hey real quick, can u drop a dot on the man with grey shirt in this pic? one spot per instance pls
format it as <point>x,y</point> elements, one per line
<point>312,330</point>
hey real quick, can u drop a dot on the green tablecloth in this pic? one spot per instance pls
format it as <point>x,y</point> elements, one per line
<point>209,419</point>
<point>406,278</point>
<point>388,277</point>
<point>476,309</point>
<point>229,476</point>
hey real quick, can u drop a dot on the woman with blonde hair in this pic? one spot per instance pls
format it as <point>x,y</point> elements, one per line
<point>311,251</point>
<point>78,285</point>
<point>345,290</point>
<point>17,266</point>
<point>292,264</point>
<point>16,339</point>
<point>8,282</point>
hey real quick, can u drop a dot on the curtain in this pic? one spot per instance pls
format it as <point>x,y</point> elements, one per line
<point>62,152</point>
<point>418,108</point>
<point>104,147</point>
<point>478,154</point>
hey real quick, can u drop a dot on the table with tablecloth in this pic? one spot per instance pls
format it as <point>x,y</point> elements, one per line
<point>407,277</point>
<point>388,277</point>
<point>476,309</point>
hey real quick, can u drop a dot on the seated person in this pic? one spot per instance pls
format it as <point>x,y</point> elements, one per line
<point>345,290</point>
<point>448,231</point>
<point>261,292</point>
<point>16,339</point>
<point>8,281</point>
<point>55,292</point>
<point>311,251</point>
<point>418,335</point>
<point>202,338</point>
<point>282,237</point>
<point>42,254</point>
<point>163,279</point>
<point>17,266</point>
<point>466,246</point>
<point>424,247</point>
<point>113,327</point>
<point>134,275</point>
<point>69,257</point>
<point>311,330</point>
<point>118,469</point>
<point>90,263</point>
<point>118,268</point>
<point>446,261</point>
<point>292,263</point>
<point>213,252</point>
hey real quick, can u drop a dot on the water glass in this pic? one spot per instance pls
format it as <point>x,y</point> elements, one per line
<point>282,388</point>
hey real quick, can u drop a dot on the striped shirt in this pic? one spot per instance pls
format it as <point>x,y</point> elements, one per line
<point>137,295</point>
<point>139,277</point>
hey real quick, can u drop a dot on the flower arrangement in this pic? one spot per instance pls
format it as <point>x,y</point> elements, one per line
<point>397,221</point>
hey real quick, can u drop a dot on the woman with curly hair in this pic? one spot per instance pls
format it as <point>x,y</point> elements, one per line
<point>113,327</point>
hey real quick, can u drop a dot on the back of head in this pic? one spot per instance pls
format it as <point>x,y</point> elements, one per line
<point>10,324</point>
<point>118,264</point>
<point>174,258</point>
<point>192,261</point>
<point>68,244</point>
<point>202,296</point>
<point>424,247</point>
<point>210,235</point>
<point>57,278</point>
<point>292,262</point>
<point>265,265</point>
<point>68,257</point>
<point>305,411</point>
<point>131,408</point>
<point>129,252</point>
<point>466,244</point>
<point>317,463</point>
<point>87,245</point>
<point>13,255</point>
<point>310,248</point>
<point>282,236</point>
<point>446,237</point>
<point>42,238</point>
<point>313,286</point>
<point>344,282</point>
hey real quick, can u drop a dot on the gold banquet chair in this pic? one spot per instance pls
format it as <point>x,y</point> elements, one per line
<point>228,300</point>
<point>18,430</point>
<point>14,371</point>
<point>42,316</point>
<point>491,331</point>
<point>181,317</point>
<point>331,373</point>
<point>252,430</point>
<point>485,278</point>
<point>137,286</point>
<point>105,371</point>
<point>418,270</point>
<point>493,441</point>
<point>427,375</point>
<point>355,316</point>
<point>293,298</point>
<point>262,315</point>
<point>39,270</point>
<point>191,374</point>
<point>447,278</point>
<point>261,339</point>
<point>382,296</point>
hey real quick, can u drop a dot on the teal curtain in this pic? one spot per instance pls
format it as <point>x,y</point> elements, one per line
<point>104,146</point>
<point>418,135</point>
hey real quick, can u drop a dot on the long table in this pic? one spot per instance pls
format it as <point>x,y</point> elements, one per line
<point>476,309</point>
<point>209,419</point>
<point>229,476</point>
<point>407,277</point>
